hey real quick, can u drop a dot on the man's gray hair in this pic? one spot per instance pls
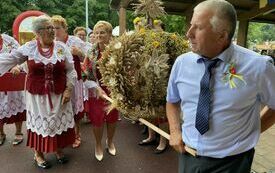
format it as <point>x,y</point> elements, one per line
<point>39,21</point>
<point>224,13</point>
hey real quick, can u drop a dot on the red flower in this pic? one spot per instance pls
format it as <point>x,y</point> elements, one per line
<point>232,70</point>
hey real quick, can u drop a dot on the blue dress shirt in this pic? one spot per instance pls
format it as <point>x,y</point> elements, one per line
<point>234,120</point>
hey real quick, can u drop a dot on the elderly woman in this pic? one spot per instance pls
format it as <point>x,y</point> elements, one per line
<point>12,103</point>
<point>97,112</point>
<point>77,48</point>
<point>49,83</point>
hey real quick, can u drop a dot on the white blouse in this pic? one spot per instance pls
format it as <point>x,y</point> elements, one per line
<point>41,118</point>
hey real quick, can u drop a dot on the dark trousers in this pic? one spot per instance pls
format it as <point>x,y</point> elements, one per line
<point>240,163</point>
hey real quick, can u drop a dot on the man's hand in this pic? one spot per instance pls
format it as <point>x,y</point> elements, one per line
<point>66,96</point>
<point>176,141</point>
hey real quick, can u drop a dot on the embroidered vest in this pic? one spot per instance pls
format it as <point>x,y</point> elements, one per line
<point>43,79</point>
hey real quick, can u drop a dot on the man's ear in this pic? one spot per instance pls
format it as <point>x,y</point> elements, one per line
<point>223,36</point>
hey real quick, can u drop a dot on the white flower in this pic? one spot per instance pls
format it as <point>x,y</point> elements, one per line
<point>112,82</point>
<point>130,33</point>
<point>112,61</point>
<point>119,97</point>
<point>117,45</point>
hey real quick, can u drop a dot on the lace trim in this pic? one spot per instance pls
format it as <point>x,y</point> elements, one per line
<point>77,97</point>
<point>51,126</point>
<point>11,104</point>
<point>60,53</point>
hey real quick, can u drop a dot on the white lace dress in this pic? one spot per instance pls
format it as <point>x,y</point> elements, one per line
<point>41,118</point>
<point>12,103</point>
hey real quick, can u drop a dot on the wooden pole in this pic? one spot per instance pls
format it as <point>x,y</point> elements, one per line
<point>191,151</point>
<point>122,20</point>
<point>242,33</point>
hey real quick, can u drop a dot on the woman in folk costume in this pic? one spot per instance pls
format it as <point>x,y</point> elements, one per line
<point>97,112</point>
<point>77,47</point>
<point>81,33</point>
<point>12,103</point>
<point>50,79</point>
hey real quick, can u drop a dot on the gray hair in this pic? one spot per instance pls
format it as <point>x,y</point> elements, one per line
<point>224,13</point>
<point>39,21</point>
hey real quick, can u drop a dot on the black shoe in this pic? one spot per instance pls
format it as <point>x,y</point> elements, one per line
<point>144,130</point>
<point>62,160</point>
<point>157,151</point>
<point>44,165</point>
<point>145,143</point>
<point>2,139</point>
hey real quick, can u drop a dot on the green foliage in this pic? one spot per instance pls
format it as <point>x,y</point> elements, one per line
<point>74,12</point>
<point>174,23</point>
<point>259,33</point>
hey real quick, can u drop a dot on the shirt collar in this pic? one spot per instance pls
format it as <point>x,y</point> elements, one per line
<point>225,56</point>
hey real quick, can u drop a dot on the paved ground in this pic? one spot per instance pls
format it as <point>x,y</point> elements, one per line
<point>131,158</point>
<point>264,160</point>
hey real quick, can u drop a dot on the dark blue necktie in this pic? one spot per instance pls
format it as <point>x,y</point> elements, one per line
<point>203,109</point>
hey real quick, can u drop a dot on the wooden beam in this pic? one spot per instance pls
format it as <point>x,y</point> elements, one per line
<point>124,3</point>
<point>256,11</point>
<point>122,20</point>
<point>242,33</point>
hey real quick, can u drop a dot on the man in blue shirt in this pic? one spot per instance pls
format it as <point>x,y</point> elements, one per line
<point>220,88</point>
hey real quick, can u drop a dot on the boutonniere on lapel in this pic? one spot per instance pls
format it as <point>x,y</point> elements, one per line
<point>60,52</point>
<point>232,77</point>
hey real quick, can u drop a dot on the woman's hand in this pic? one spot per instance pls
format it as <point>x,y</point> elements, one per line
<point>100,92</point>
<point>66,95</point>
<point>15,70</point>
<point>76,51</point>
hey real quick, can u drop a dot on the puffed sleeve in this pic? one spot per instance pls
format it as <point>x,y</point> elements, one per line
<point>70,71</point>
<point>9,60</point>
<point>15,44</point>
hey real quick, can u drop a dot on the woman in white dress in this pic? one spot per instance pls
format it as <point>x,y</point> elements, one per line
<point>78,50</point>
<point>49,83</point>
<point>12,103</point>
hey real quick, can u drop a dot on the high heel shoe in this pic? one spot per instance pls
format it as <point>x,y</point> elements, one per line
<point>98,157</point>
<point>2,139</point>
<point>111,150</point>
<point>158,151</point>
<point>147,142</point>
<point>43,165</point>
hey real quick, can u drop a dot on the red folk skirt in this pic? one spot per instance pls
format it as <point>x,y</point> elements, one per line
<point>19,117</point>
<point>50,144</point>
<point>79,116</point>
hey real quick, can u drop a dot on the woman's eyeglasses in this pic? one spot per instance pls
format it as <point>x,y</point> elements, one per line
<point>48,28</point>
